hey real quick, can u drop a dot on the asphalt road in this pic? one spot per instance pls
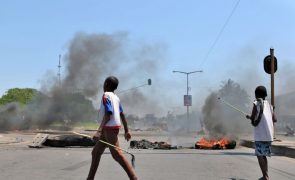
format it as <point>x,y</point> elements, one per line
<point>20,162</point>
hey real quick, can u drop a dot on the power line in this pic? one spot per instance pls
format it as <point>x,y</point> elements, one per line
<point>220,32</point>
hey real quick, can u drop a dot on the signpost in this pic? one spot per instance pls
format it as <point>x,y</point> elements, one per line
<point>270,67</point>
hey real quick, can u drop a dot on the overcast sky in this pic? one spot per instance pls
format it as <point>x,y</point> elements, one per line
<point>34,33</point>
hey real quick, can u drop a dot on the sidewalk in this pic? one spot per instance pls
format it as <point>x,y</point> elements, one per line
<point>281,146</point>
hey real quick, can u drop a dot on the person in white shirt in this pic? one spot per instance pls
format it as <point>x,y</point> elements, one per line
<point>110,115</point>
<point>262,118</point>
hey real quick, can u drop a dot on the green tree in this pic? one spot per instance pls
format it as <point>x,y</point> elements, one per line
<point>22,96</point>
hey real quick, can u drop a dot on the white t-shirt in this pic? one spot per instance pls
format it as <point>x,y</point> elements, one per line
<point>110,103</point>
<point>264,130</point>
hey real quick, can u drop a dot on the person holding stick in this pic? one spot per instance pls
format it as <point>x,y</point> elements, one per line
<point>262,118</point>
<point>110,114</point>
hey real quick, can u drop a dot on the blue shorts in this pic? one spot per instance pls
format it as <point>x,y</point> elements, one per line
<point>263,148</point>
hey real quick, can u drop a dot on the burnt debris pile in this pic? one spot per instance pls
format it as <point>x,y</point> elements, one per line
<point>145,144</point>
<point>69,140</point>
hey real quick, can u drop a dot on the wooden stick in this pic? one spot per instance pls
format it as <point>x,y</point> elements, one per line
<point>228,104</point>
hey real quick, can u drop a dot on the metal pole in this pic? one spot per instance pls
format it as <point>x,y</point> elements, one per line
<point>272,77</point>
<point>127,90</point>
<point>59,66</point>
<point>187,89</point>
<point>187,107</point>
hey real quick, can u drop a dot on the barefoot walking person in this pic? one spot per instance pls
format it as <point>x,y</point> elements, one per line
<point>111,114</point>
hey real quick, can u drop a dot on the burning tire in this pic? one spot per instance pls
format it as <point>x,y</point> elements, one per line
<point>223,143</point>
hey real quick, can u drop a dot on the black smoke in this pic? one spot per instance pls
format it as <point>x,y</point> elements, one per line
<point>221,120</point>
<point>91,58</point>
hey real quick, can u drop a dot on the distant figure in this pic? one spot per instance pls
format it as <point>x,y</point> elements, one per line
<point>262,119</point>
<point>110,114</point>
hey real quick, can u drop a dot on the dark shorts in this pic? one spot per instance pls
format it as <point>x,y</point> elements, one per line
<point>263,148</point>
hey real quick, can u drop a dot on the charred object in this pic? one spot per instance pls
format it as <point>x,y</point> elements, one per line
<point>69,140</point>
<point>145,144</point>
<point>61,140</point>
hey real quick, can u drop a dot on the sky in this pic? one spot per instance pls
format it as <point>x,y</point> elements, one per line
<point>34,33</point>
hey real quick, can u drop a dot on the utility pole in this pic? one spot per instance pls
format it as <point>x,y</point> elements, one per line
<point>58,74</point>
<point>187,98</point>
<point>270,67</point>
<point>272,77</point>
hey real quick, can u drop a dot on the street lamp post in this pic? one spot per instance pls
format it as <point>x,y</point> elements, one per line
<point>187,90</point>
<point>149,83</point>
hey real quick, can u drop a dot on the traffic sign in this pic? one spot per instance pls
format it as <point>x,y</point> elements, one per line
<point>187,100</point>
<point>267,64</point>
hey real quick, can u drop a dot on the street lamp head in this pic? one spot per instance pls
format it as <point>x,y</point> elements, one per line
<point>180,72</point>
<point>187,73</point>
<point>195,72</point>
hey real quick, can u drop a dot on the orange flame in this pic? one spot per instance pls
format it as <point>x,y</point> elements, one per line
<point>204,143</point>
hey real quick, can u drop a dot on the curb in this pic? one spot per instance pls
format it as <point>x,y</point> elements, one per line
<point>276,149</point>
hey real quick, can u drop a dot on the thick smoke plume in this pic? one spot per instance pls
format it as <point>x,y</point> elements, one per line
<point>93,57</point>
<point>219,119</point>
<point>89,60</point>
<point>9,115</point>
